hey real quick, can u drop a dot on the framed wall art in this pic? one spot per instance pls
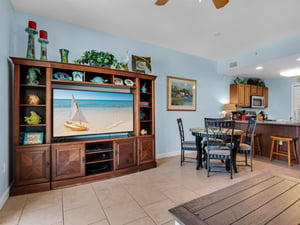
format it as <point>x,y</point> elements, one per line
<point>181,94</point>
<point>141,64</point>
<point>31,138</point>
<point>77,76</point>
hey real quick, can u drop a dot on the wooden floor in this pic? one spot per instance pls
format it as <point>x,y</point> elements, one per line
<point>264,199</point>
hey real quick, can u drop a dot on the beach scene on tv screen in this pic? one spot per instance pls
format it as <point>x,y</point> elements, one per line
<point>80,112</point>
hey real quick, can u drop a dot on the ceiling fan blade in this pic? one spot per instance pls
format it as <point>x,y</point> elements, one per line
<point>161,2</point>
<point>220,3</point>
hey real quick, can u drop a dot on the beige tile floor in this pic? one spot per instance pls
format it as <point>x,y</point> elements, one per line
<point>137,199</point>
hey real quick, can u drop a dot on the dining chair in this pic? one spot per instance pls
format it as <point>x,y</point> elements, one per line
<point>220,144</point>
<point>204,141</point>
<point>246,145</point>
<point>185,145</point>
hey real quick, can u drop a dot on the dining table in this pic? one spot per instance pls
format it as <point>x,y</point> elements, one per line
<point>200,133</point>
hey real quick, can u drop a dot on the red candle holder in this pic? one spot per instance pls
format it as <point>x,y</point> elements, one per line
<point>31,30</point>
<point>43,40</point>
<point>32,24</point>
<point>43,34</point>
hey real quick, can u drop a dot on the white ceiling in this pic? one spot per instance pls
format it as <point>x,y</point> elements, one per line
<point>184,25</point>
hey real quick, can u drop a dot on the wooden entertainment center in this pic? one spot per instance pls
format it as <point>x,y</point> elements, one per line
<point>50,163</point>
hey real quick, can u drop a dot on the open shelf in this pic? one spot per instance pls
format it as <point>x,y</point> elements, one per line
<point>99,167</point>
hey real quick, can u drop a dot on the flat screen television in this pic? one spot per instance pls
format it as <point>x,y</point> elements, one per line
<point>80,113</point>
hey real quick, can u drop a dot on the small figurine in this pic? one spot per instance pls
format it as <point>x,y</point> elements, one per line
<point>144,132</point>
<point>33,119</point>
<point>99,80</point>
<point>33,99</point>
<point>33,73</point>
<point>144,88</point>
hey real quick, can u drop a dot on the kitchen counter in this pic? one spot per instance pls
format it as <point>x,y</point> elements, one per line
<point>275,128</point>
<point>273,122</point>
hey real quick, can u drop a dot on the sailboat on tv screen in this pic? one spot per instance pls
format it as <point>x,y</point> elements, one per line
<point>77,120</point>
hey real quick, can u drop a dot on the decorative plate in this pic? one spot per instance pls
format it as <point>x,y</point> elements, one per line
<point>61,76</point>
<point>118,81</point>
<point>128,82</point>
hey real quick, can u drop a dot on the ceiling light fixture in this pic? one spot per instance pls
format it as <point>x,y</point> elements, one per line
<point>217,34</point>
<point>290,73</point>
<point>298,59</point>
<point>259,68</point>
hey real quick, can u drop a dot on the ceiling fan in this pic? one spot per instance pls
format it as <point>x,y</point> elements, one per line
<point>218,3</point>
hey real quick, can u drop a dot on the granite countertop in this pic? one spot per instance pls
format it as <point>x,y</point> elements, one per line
<point>273,122</point>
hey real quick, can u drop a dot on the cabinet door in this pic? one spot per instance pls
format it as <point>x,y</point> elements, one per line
<point>146,150</point>
<point>256,90</point>
<point>247,95</point>
<point>241,94</point>
<point>260,91</point>
<point>125,153</point>
<point>68,161</point>
<point>266,95</point>
<point>32,165</point>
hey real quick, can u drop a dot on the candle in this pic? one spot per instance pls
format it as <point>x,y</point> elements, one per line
<point>31,24</point>
<point>43,34</point>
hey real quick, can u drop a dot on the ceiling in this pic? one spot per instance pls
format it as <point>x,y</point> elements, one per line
<point>184,25</point>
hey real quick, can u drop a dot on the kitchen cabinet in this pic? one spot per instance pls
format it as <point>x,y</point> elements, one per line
<point>256,90</point>
<point>240,94</point>
<point>266,94</point>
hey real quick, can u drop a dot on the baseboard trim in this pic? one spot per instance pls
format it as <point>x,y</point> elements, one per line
<point>168,154</point>
<point>4,198</point>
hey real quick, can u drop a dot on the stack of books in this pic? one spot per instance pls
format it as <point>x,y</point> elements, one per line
<point>144,104</point>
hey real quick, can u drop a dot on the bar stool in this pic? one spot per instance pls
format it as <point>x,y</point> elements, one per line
<point>288,140</point>
<point>256,142</point>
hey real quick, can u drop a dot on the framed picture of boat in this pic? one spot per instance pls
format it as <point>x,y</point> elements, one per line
<point>181,94</point>
<point>31,138</point>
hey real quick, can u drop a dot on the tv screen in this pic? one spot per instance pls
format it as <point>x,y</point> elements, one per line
<point>88,112</point>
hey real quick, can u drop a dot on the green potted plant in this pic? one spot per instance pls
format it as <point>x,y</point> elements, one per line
<point>95,58</point>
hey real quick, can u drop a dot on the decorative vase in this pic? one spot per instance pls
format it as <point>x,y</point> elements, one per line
<point>64,53</point>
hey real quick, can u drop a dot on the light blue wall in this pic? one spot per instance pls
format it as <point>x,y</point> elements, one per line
<point>269,52</point>
<point>280,97</point>
<point>212,88</point>
<point>279,89</point>
<point>6,18</point>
